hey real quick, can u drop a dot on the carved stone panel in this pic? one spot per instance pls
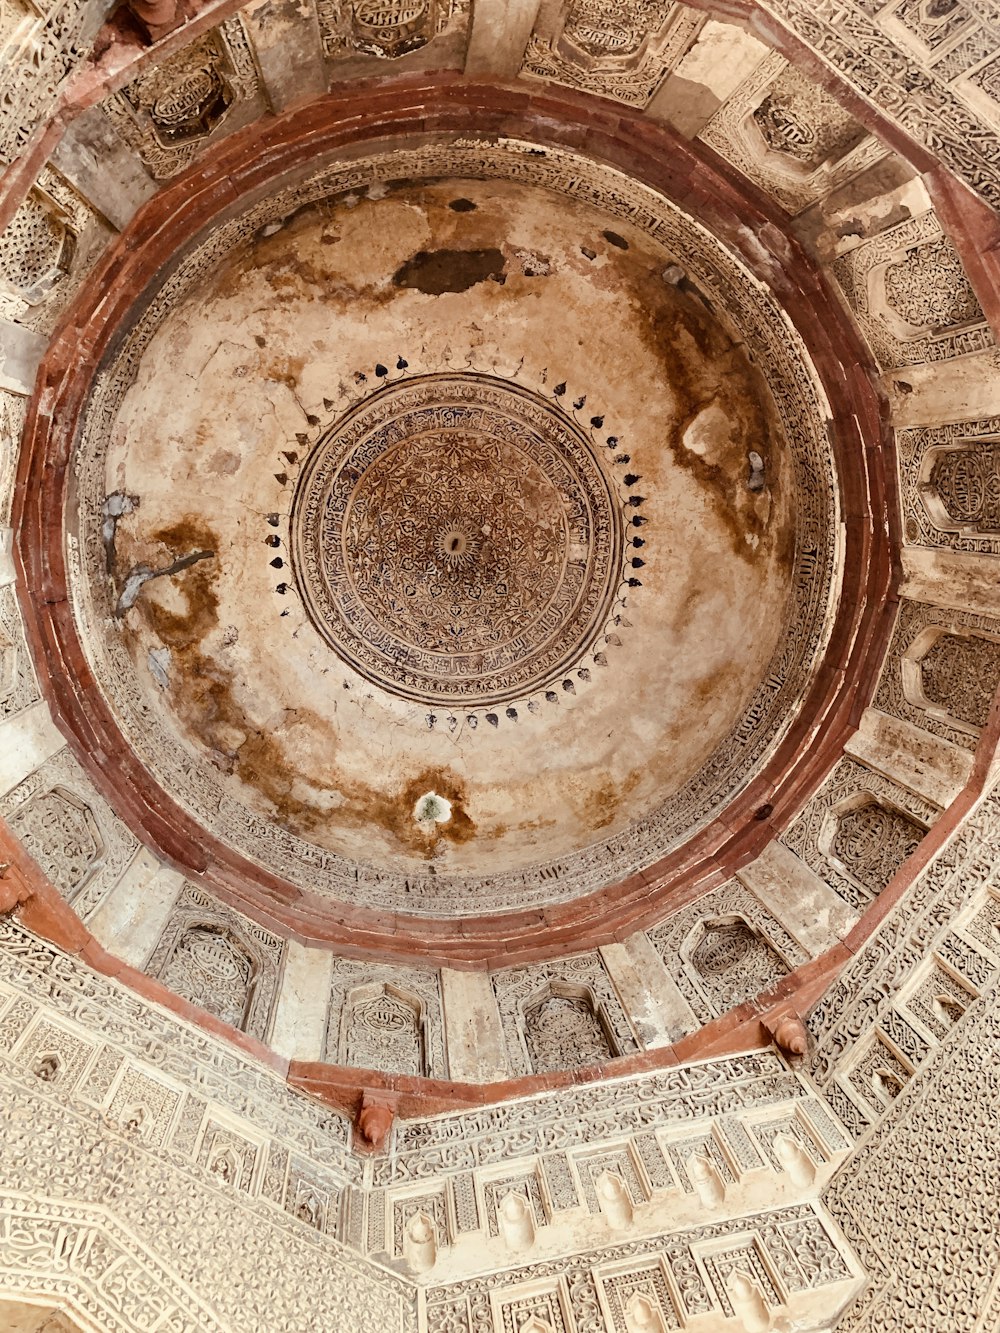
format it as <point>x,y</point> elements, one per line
<point>563,1031</point>
<point>789,136</point>
<point>386,1017</point>
<point>911,296</point>
<point>725,949</point>
<point>857,831</point>
<point>386,29</point>
<point>220,961</point>
<point>941,671</point>
<point>168,113</point>
<point>70,830</point>
<point>622,53</point>
<point>561,1014</point>
<point>950,484</point>
<point>45,250</point>
<point>12,414</point>
<point>18,687</point>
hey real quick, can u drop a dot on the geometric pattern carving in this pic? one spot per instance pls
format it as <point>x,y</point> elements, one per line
<point>220,961</point>
<point>62,835</point>
<point>386,1017</point>
<point>39,250</point>
<point>561,1014</point>
<point>167,114</point>
<point>622,53</point>
<point>492,617</point>
<point>387,29</point>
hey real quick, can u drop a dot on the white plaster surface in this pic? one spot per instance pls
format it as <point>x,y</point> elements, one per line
<point>807,907</point>
<point>925,764</point>
<point>303,999</point>
<point>26,741</point>
<point>6,556</point>
<point>657,1010</point>
<point>499,35</point>
<point>130,919</point>
<point>473,1032</point>
<point>940,392</point>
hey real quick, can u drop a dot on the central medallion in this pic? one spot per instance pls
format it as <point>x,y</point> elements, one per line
<point>456,540</point>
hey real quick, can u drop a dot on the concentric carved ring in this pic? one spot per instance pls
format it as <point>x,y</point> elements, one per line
<point>456,540</point>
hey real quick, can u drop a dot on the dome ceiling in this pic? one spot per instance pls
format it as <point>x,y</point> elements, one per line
<point>459,489</point>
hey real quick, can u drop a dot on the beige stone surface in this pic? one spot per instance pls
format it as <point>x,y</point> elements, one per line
<point>807,907</point>
<point>717,62</point>
<point>943,391</point>
<point>26,741</point>
<point>299,1025</point>
<point>271,350</point>
<point>958,579</point>
<point>498,36</point>
<point>6,556</point>
<point>473,1032</point>
<point>656,1009</point>
<point>923,763</point>
<point>130,919</point>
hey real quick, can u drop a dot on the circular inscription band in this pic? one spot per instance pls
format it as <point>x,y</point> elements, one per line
<point>456,541</point>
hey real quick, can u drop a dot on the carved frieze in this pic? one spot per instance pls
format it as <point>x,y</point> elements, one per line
<point>168,113</point>
<point>623,54</point>
<point>789,136</point>
<point>911,296</point>
<point>220,961</point>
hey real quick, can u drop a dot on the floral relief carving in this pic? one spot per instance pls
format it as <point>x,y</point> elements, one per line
<point>386,29</point>
<point>18,687</point>
<point>387,1017</point>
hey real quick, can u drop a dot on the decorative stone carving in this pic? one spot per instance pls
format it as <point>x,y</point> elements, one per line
<point>386,1017</point>
<point>857,831</point>
<point>624,57</point>
<point>508,488</point>
<point>62,835</point>
<point>870,841</point>
<point>12,414</point>
<point>963,672</point>
<point>18,687</point>
<point>167,114</point>
<point>788,136</point>
<point>910,294</point>
<point>559,1015</point>
<point>220,961</point>
<point>41,249</point>
<point>387,29</point>
<point>725,949</point>
<point>950,484</point>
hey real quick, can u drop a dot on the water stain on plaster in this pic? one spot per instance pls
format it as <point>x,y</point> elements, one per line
<point>434,272</point>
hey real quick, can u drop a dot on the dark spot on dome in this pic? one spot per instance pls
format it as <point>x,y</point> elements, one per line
<point>434,272</point>
<point>612,237</point>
